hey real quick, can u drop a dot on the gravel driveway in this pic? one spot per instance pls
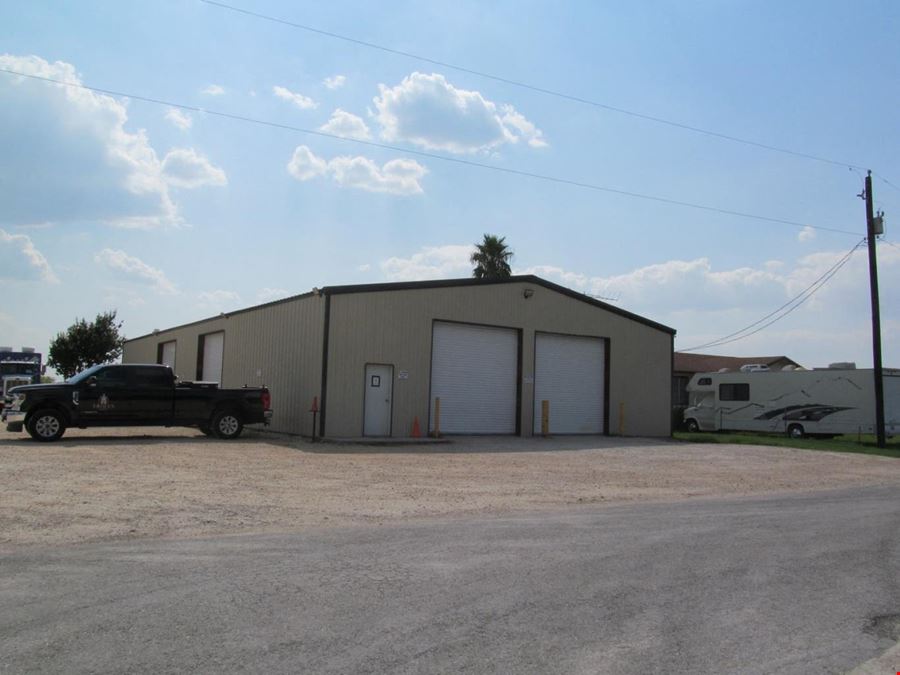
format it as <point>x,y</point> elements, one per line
<point>125,483</point>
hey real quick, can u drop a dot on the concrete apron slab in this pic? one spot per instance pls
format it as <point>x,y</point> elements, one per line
<point>385,441</point>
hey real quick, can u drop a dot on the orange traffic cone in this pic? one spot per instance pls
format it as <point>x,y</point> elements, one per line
<point>416,432</point>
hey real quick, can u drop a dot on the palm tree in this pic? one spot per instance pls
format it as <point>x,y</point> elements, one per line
<point>491,258</point>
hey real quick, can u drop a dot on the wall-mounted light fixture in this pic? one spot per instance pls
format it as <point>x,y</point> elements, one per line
<point>528,293</point>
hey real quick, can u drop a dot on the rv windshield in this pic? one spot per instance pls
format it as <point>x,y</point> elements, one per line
<point>699,398</point>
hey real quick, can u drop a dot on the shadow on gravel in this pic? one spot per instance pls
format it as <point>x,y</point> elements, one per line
<point>76,438</point>
<point>885,626</point>
<point>480,445</point>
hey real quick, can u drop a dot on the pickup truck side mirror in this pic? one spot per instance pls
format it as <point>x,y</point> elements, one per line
<point>92,381</point>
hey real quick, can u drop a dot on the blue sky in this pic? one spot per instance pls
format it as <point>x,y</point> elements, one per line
<point>170,216</point>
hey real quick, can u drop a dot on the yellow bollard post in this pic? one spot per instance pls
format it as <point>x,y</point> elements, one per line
<point>545,418</point>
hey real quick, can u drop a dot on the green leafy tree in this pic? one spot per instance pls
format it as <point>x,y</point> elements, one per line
<point>86,344</point>
<point>491,258</point>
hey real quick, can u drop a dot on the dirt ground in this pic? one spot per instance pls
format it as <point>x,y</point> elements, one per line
<point>124,483</point>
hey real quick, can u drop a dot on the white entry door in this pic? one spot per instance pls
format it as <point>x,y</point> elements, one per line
<point>379,395</point>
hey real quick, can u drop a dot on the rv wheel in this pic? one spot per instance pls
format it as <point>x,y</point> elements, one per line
<point>692,426</point>
<point>795,431</point>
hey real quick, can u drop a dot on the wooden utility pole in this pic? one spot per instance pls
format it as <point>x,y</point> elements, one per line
<point>876,315</point>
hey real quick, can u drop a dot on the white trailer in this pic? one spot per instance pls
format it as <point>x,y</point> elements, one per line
<point>822,402</point>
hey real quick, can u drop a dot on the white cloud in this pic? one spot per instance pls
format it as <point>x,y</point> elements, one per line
<point>335,82</point>
<point>270,294</point>
<point>135,269</point>
<point>179,118</point>
<point>430,262</point>
<point>299,100</point>
<point>346,125</point>
<point>115,296</point>
<point>398,176</point>
<point>213,90</point>
<point>677,284</point>
<point>220,300</point>
<point>806,234</point>
<point>705,302</point>
<point>305,165</point>
<point>21,261</point>
<point>69,158</point>
<point>185,168</point>
<point>430,112</point>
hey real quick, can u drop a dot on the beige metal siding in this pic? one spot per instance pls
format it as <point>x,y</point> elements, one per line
<point>395,327</point>
<point>279,345</point>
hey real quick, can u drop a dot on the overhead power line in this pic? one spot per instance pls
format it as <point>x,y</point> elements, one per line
<point>885,181</point>
<point>788,307</point>
<point>532,87</point>
<point>429,155</point>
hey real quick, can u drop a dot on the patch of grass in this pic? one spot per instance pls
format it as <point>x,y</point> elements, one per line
<point>864,445</point>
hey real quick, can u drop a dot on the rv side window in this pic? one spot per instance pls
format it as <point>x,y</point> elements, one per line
<point>704,380</point>
<point>734,392</point>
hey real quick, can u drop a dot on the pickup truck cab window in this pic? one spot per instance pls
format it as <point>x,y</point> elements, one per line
<point>156,378</point>
<point>114,377</point>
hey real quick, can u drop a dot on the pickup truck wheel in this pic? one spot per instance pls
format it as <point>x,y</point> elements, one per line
<point>692,426</point>
<point>46,425</point>
<point>227,424</point>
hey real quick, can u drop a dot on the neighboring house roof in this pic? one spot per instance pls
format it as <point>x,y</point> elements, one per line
<point>710,363</point>
<point>440,283</point>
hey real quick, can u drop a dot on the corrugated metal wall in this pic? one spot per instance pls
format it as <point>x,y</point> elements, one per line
<point>278,345</point>
<point>395,327</point>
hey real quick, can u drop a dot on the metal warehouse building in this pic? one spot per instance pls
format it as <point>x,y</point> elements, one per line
<point>379,356</point>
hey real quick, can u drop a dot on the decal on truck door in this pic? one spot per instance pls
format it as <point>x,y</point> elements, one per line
<point>103,403</point>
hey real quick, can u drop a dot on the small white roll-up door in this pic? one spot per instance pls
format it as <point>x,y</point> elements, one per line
<point>474,371</point>
<point>167,357</point>
<point>213,351</point>
<point>569,372</point>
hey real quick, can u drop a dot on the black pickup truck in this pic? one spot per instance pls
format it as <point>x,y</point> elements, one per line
<point>133,395</point>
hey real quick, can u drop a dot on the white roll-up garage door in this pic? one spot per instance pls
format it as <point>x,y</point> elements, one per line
<point>474,371</point>
<point>167,354</point>
<point>213,351</point>
<point>569,372</point>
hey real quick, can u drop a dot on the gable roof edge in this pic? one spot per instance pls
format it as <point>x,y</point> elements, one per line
<point>469,281</point>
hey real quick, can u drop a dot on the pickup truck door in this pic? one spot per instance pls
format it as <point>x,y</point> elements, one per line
<point>103,399</point>
<point>151,393</point>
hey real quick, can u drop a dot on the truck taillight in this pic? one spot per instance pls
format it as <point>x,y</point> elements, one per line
<point>266,400</point>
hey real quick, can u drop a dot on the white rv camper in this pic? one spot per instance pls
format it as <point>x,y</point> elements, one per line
<point>822,402</point>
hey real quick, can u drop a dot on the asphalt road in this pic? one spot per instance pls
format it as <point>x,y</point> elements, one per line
<point>762,585</point>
